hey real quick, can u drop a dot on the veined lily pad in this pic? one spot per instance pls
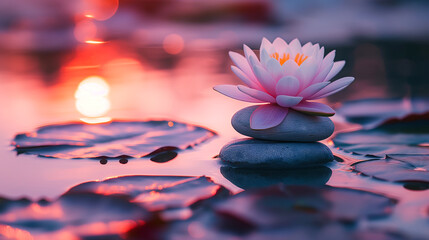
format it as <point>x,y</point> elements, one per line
<point>371,113</point>
<point>413,170</point>
<point>82,214</point>
<point>109,207</point>
<point>156,192</point>
<point>403,137</point>
<point>279,212</point>
<point>302,204</point>
<point>110,140</point>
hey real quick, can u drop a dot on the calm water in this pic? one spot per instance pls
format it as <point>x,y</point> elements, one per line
<point>147,83</point>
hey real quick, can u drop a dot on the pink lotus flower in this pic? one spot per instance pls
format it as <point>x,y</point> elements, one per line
<point>285,76</point>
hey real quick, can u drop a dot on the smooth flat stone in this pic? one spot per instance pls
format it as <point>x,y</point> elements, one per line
<point>254,153</point>
<point>297,127</point>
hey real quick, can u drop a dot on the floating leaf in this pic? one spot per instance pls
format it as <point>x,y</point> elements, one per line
<point>280,204</point>
<point>279,212</point>
<point>375,112</point>
<point>110,140</point>
<point>409,169</point>
<point>82,214</point>
<point>93,208</point>
<point>156,192</point>
<point>393,138</point>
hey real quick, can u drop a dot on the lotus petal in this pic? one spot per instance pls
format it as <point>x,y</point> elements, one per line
<point>306,72</point>
<point>287,101</point>
<point>280,45</point>
<point>312,89</point>
<point>319,53</point>
<point>253,61</point>
<point>267,45</point>
<point>314,108</point>
<point>265,57</point>
<point>290,67</point>
<point>267,116</point>
<point>295,47</point>
<point>265,79</point>
<point>336,68</point>
<point>248,52</point>
<point>274,68</point>
<point>233,92</point>
<point>323,72</point>
<point>288,85</point>
<point>307,49</point>
<point>241,63</point>
<point>334,87</point>
<point>263,96</point>
<point>245,79</point>
<point>330,57</point>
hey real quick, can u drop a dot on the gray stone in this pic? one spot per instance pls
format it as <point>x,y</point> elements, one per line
<point>297,127</point>
<point>254,153</point>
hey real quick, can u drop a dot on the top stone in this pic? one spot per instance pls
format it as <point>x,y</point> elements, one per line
<point>296,127</point>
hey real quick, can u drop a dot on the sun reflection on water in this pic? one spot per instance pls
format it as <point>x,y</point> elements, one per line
<point>92,100</point>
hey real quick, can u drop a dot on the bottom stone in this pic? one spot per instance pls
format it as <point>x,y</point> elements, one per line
<point>253,153</point>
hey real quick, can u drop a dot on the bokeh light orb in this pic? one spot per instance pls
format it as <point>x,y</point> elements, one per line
<point>92,97</point>
<point>173,44</point>
<point>93,107</point>
<point>93,86</point>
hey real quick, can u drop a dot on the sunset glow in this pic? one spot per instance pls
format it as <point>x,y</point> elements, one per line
<point>92,99</point>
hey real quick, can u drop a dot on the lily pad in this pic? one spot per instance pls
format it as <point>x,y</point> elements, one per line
<point>301,204</point>
<point>413,170</point>
<point>116,139</point>
<point>156,192</point>
<point>76,214</point>
<point>107,208</point>
<point>371,113</point>
<point>402,137</point>
<point>279,212</point>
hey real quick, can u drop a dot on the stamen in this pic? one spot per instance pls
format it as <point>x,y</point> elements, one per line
<point>303,60</point>
<point>299,58</point>
<point>296,58</point>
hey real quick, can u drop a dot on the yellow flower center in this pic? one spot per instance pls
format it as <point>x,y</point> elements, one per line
<point>299,58</point>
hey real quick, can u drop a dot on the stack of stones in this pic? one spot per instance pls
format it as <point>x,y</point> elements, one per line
<point>292,144</point>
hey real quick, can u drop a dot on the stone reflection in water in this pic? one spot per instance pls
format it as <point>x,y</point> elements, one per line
<point>258,178</point>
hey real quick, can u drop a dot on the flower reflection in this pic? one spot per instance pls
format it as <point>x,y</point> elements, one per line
<point>92,100</point>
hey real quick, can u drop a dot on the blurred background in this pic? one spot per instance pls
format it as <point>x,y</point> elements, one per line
<point>96,59</point>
